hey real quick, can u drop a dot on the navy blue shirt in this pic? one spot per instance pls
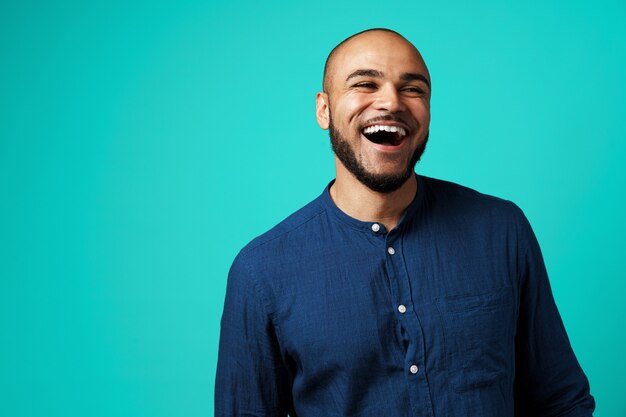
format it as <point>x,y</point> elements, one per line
<point>448,314</point>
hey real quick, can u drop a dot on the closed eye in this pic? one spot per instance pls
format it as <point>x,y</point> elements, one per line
<point>414,90</point>
<point>365,85</point>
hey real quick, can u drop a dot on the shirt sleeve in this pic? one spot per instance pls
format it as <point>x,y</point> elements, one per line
<point>549,381</point>
<point>251,380</point>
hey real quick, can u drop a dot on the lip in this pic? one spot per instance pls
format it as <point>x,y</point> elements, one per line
<point>388,123</point>
<point>387,148</point>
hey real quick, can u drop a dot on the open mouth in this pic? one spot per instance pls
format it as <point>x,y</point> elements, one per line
<point>385,135</point>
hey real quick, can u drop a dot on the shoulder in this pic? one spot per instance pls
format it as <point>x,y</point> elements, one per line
<point>461,209</point>
<point>282,240</point>
<point>449,198</point>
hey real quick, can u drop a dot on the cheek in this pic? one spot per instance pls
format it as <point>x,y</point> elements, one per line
<point>421,113</point>
<point>353,107</point>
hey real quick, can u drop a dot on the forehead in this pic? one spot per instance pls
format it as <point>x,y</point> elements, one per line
<point>377,50</point>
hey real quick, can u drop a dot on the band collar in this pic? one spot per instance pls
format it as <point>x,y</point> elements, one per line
<point>410,211</point>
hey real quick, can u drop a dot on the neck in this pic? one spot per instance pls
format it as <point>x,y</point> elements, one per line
<point>361,203</point>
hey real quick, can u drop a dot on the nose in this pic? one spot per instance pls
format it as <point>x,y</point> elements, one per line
<point>389,99</point>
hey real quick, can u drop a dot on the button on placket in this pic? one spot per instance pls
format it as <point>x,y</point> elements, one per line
<point>375,228</point>
<point>396,265</point>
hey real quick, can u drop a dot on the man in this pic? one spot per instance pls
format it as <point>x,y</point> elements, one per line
<point>393,294</point>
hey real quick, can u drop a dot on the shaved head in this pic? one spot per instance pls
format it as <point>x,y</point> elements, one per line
<point>330,60</point>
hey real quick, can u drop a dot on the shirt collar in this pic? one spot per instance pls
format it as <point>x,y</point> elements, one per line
<point>408,214</point>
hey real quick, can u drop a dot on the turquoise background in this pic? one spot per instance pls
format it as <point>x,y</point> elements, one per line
<point>143,144</point>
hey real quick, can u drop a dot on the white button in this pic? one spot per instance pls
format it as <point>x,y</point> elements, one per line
<point>413,369</point>
<point>402,309</point>
<point>375,227</point>
<point>391,250</point>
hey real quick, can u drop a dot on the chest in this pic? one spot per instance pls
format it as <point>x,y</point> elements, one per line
<point>369,305</point>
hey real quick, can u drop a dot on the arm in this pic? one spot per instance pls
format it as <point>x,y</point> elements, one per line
<point>251,379</point>
<point>549,381</point>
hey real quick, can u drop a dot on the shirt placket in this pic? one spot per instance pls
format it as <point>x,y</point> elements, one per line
<point>404,309</point>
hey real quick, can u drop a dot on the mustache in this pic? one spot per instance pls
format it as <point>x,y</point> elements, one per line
<point>388,118</point>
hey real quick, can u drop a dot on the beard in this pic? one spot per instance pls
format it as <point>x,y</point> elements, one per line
<point>380,183</point>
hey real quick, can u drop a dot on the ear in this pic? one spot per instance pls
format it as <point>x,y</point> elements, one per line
<point>322,110</point>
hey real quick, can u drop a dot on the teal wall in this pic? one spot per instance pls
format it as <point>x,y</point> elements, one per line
<point>142,144</point>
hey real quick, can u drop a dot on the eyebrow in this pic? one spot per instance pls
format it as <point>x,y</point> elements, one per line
<point>407,76</point>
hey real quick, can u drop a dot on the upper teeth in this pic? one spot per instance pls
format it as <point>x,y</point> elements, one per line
<point>377,128</point>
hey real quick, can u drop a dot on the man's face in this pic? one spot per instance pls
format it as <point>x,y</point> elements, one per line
<point>377,109</point>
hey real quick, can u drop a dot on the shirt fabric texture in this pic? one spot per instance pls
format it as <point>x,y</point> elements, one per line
<point>448,314</point>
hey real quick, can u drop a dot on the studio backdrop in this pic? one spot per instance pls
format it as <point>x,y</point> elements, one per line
<point>142,144</point>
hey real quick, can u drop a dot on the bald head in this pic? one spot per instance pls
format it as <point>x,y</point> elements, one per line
<point>363,37</point>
